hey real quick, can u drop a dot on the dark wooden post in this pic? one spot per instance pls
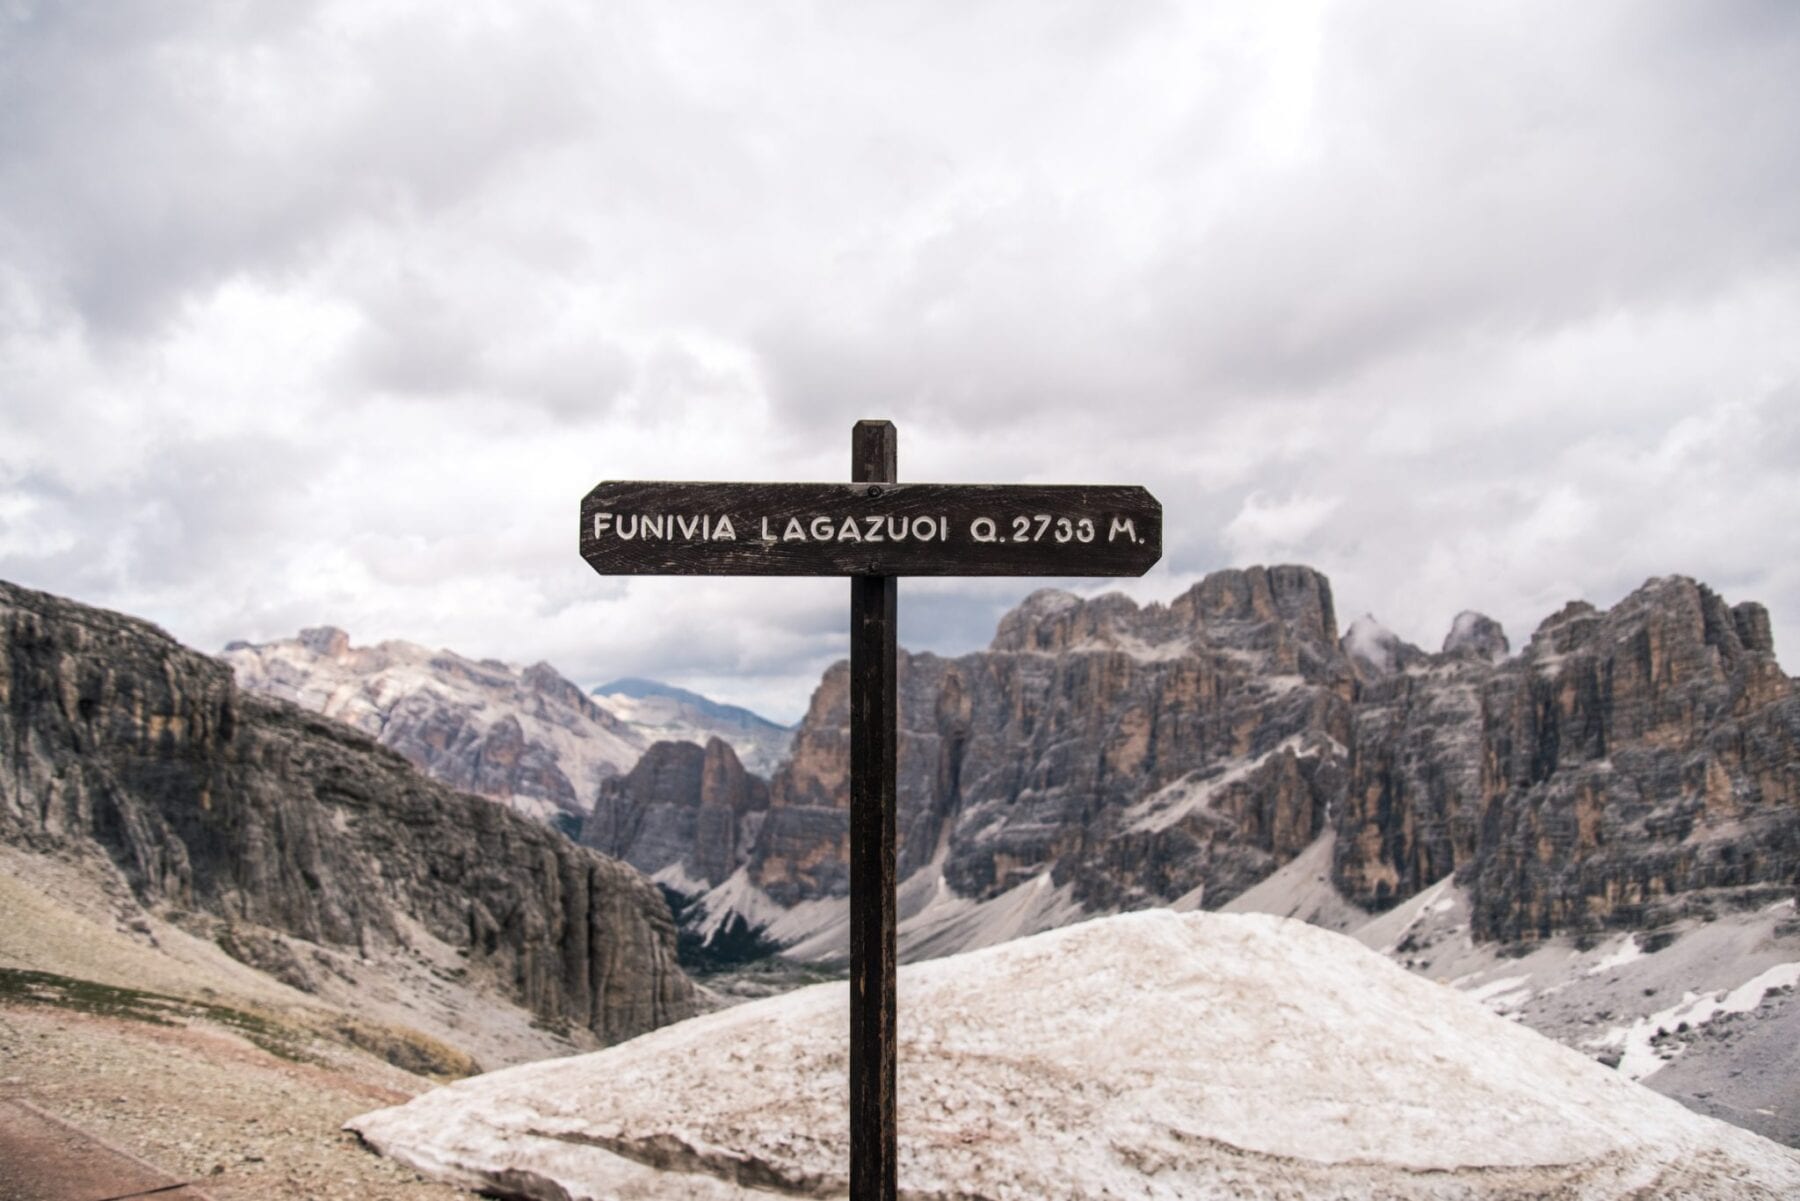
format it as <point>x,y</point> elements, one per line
<point>874,722</point>
<point>872,530</point>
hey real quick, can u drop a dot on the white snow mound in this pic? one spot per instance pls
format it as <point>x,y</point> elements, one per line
<point>1151,1055</point>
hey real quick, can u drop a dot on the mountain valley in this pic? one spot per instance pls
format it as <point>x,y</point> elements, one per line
<point>222,909</point>
<point>1596,837</point>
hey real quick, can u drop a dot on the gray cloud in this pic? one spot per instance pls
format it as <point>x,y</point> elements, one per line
<point>332,312</point>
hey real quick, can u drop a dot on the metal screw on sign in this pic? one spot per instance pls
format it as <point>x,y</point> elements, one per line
<point>873,530</point>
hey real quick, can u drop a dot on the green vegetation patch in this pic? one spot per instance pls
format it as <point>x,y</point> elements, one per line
<point>18,986</point>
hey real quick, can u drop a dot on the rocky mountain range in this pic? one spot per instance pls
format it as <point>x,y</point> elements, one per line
<point>296,845</point>
<point>1583,833</point>
<point>523,735</point>
<point>1598,835</point>
<point>665,713</point>
<point>1625,768</point>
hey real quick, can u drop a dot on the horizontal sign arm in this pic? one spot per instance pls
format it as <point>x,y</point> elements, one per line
<point>655,528</point>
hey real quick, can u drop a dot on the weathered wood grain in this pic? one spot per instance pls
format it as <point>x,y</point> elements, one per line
<point>874,726</point>
<point>870,528</point>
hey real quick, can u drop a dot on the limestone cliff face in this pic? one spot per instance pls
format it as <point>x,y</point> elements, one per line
<point>1635,763</point>
<point>252,810</point>
<point>526,736</point>
<point>684,814</point>
<point>523,735</point>
<point>1626,766</point>
<point>1136,753</point>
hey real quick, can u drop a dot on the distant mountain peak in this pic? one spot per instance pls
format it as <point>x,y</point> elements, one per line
<point>328,641</point>
<point>526,736</point>
<point>1376,650</point>
<point>671,713</point>
<point>638,688</point>
<point>1476,635</point>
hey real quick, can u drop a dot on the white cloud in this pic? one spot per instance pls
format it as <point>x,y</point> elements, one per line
<point>1269,528</point>
<point>332,312</point>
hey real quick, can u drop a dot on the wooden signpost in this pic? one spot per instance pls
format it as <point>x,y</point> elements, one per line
<point>872,530</point>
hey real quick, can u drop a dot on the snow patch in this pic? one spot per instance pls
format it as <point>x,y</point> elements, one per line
<point>1136,648</point>
<point>1388,931</point>
<point>1151,1055</point>
<point>676,878</point>
<point>1625,952</point>
<point>736,896</point>
<point>1194,792</point>
<point>932,919</point>
<point>1641,1057</point>
<point>1502,995</point>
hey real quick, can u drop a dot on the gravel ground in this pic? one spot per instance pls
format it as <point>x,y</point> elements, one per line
<point>195,1097</point>
<point>207,1106</point>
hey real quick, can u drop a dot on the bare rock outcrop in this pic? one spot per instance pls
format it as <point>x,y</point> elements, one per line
<point>1477,636</point>
<point>1639,762</point>
<point>217,801</point>
<point>1626,767</point>
<point>525,736</point>
<point>685,814</point>
<point>1135,753</point>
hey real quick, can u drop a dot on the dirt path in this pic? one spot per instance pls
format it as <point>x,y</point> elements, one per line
<point>203,1104</point>
<point>45,1159</point>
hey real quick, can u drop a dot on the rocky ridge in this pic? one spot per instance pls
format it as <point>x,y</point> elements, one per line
<point>524,735</point>
<point>685,815</point>
<point>1135,754</point>
<point>299,845</point>
<point>665,713</point>
<point>1625,769</point>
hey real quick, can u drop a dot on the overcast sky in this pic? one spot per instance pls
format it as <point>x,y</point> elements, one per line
<point>330,313</point>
